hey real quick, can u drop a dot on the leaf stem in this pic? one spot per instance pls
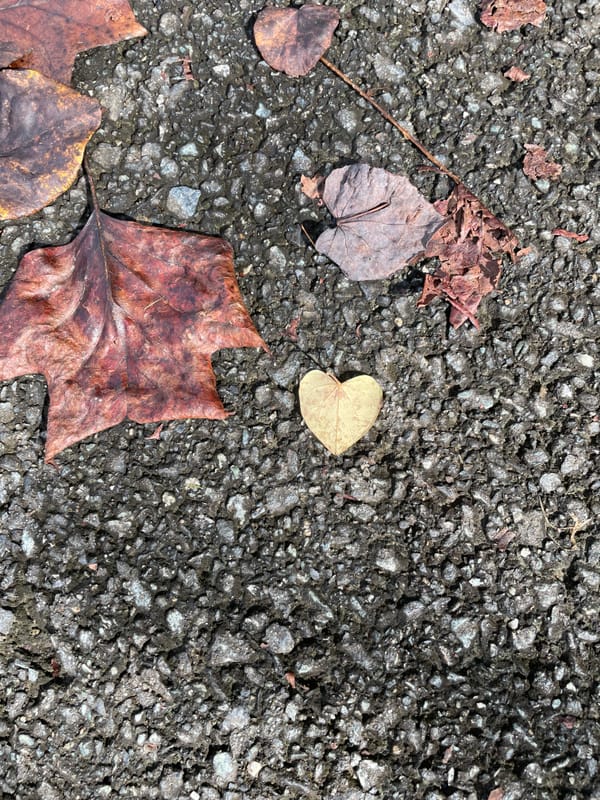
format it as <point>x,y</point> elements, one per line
<point>91,184</point>
<point>387,116</point>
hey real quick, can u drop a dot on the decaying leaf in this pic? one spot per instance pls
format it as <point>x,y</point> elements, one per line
<point>339,414</point>
<point>44,128</point>
<point>122,323</point>
<point>469,248</point>
<point>292,40</point>
<point>382,222</point>
<point>517,75</point>
<point>508,15</point>
<point>9,52</point>
<point>578,237</point>
<point>538,164</point>
<point>313,187</point>
<point>49,33</point>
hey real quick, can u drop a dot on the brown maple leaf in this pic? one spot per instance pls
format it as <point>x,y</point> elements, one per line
<point>44,128</point>
<point>382,222</point>
<point>469,248</point>
<point>48,34</point>
<point>538,164</point>
<point>292,40</point>
<point>508,15</point>
<point>122,323</point>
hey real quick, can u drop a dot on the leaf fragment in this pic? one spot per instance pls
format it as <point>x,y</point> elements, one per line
<point>292,40</point>
<point>48,34</point>
<point>516,74</point>
<point>469,248</point>
<point>509,15</point>
<point>382,222</point>
<point>45,128</point>
<point>538,164</point>
<point>122,322</point>
<point>578,237</point>
<point>339,414</point>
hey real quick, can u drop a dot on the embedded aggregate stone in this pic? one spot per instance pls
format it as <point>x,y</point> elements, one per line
<point>183,201</point>
<point>228,612</point>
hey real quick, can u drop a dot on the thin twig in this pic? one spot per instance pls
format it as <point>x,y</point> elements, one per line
<point>386,115</point>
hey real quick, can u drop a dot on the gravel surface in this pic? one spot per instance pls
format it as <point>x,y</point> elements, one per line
<point>230,612</point>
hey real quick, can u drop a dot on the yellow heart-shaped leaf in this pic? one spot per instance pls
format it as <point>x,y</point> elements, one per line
<point>339,414</point>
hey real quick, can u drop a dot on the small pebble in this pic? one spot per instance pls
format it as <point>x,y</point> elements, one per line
<point>225,767</point>
<point>183,201</point>
<point>279,640</point>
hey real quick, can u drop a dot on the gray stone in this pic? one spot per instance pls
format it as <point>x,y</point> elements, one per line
<point>280,500</point>
<point>229,649</point>
<point>171,786</point>
<point>225,767</point>
<point>278,639</point>
<point>370,774</point>
<point>550,482</point>
<point>465,630</point>
<point>183,201</point>
<point>7,619</point>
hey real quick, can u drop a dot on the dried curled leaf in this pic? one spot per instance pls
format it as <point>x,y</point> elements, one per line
<point>48,34</point>
<point>538,164</point>
<point>508,15</point>
<point>382,222</point>
<point>339,414</point>
<point>292,40</point>
<point>469,248</point>
<point>44,128</point>
<point>122,323</point>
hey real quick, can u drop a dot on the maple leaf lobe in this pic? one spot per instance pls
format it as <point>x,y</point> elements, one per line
<point>122,323</point>
<point>50,33</point>
<point>44,128</point>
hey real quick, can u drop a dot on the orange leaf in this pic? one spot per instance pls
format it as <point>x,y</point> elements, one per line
<point>122,323</point>
<point>45,131</point>
<point>48,34</point>
<point>292,40</point>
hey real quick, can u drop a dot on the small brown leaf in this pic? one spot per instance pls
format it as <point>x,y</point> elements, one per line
<point>469,248</point>
<point>339,414</point>
<point>508,15</point>
<point>292,40</point>
<point>122,322</point>
<point>382,222</point>
<point>578,237</point>
<point>45,128</point>
<point>50,33</point>
<point>516,74</point>
<point>538,164</point>
<point>313,187</point>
